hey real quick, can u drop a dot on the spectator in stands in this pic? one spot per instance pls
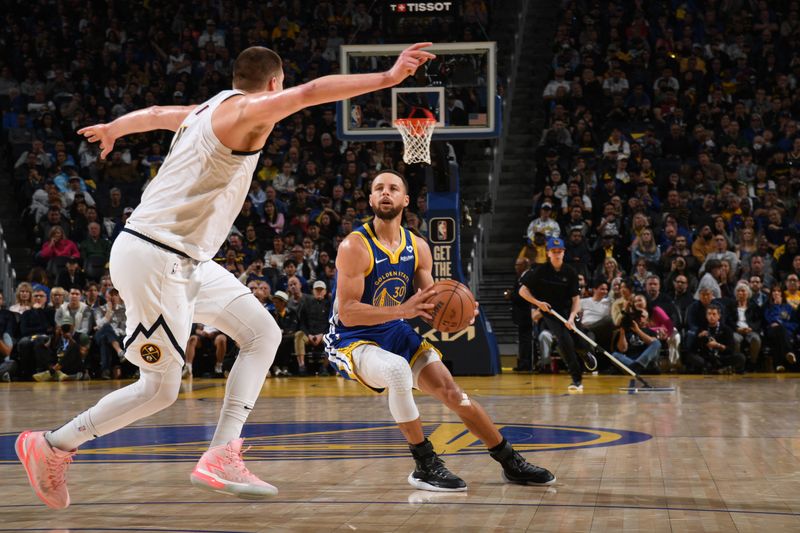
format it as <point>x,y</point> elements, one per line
<point>577,253</point>
<point>72,276</point>
<point>232,263</point>
<point>8,332</point>
<point>262,292</point>
<point>792,293</point>
<point>294,290</point>
<point>219,341</point>
<point>780,329</point>
<point>697,321</point>
<point>23,299</point>
<point>645,247</point>
<point>521,316</point>
<point>715,346</point>
<point>313,324</point>
<point>711,279</point>
<point>77,311</point>
<point>662,325</point>
<point>254,272</point>
<point>110,321</point>
<point>95,251</point>
<point>596,313</point>
<point>288,323</point>
<point>544,224</point>
<point>760,296</point>
<point>721,253</point>
<point>608,271</point>
<point>747,333</point>
<point>57,297</point>
<point>703,244</point>
<point>58,245</point>
<point>758,267</point>
<point>39,319</point>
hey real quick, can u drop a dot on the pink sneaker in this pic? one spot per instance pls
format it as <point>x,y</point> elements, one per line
<point>46,467</point>
<point>222,469</point>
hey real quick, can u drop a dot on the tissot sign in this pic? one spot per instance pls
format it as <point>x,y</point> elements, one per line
<point>474,349</point>
<point>426,9</point>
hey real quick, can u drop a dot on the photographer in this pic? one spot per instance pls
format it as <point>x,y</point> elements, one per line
<point>715,346</point>
<point>70,352</point>
<point>637,345</point>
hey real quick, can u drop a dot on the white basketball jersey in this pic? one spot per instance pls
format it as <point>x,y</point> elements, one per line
<point>192,202</point>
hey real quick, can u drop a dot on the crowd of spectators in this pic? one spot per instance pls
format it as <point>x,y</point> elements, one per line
<point>65,65</point>
<point>670,165</point>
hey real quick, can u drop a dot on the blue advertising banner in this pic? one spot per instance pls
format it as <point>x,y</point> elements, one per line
<point>472,351</point>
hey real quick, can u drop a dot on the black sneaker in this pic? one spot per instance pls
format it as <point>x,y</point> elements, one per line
<point>517,470</point>
<point>430,473</point>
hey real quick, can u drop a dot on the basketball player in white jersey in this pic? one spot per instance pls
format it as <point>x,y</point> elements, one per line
<point>378,266</point>
<point>162,266</point>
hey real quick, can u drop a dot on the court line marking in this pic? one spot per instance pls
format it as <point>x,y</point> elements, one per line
<point>148,528</point>
<point>404,503</point>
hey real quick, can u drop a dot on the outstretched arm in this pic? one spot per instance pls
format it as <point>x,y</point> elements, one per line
<point>269,108</point>
<point>148,119</point>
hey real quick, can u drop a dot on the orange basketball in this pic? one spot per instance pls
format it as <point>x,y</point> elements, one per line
<point>454,306</point>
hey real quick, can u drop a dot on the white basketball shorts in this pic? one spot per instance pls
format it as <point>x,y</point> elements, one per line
<point>164,293</point>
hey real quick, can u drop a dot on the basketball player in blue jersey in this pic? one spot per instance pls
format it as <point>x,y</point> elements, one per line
<point>161,264</point>
<point>379,266</point>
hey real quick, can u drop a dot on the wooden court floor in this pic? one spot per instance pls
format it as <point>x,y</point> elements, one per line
<point>719,454</point>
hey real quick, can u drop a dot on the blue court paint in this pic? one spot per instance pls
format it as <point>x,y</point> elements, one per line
<point>326,440</point>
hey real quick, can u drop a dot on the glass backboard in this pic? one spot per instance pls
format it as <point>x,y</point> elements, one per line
<point>458,88</point>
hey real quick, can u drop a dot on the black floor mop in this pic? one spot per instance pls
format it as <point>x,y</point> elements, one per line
<point>645,387</point>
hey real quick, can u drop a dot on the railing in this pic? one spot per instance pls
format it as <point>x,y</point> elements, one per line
<point>8,277</point>
<point>484,231</point>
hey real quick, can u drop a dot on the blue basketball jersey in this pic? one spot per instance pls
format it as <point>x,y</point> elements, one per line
<point>388,282</point>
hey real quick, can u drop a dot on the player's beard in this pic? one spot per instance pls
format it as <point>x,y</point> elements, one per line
<point>390,214</point>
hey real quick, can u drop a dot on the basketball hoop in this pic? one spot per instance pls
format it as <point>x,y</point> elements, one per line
<point>416,133</point>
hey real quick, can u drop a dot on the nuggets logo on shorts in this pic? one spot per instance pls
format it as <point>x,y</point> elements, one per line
<point>150,353</point>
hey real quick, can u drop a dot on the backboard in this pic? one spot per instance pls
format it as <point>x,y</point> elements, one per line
<point>459,87</point>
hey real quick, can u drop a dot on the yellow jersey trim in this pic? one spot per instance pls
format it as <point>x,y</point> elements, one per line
<point>394,257</point>
<point>423,347</point>
<point>414,245</point>
<point>369,249</point>
<point>347,353</point>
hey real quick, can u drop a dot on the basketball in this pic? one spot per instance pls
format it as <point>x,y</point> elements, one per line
<point>454,306</point>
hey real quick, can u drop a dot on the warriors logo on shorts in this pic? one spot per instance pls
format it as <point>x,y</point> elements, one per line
<point>150,353</point>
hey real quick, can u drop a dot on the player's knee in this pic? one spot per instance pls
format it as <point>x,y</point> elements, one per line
<point>160,390</point>
<point>453,397</point>
<point>257,333</point>
<point>397,374</point>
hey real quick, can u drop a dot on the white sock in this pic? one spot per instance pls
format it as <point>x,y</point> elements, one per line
<point>218,368</point>
<point>189,367</point>
<point>72,434</point>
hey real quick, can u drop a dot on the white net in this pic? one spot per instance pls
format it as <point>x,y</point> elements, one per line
<point>416,134</point>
